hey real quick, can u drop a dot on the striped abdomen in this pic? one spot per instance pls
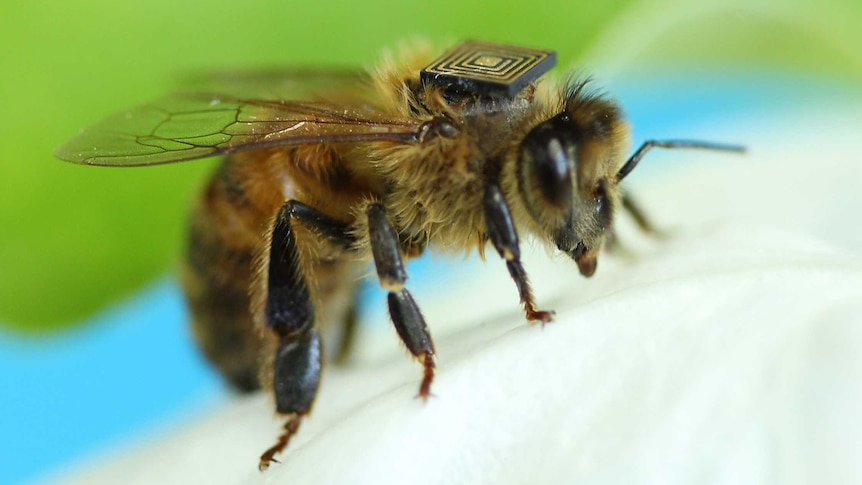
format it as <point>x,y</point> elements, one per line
<point>229,227</point>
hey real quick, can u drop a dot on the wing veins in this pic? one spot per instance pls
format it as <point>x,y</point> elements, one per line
<point>197,126</point>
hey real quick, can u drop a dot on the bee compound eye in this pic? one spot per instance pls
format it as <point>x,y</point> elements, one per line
<point>551,166</point>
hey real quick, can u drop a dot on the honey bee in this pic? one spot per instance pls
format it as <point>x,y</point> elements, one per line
<point>339,168</point>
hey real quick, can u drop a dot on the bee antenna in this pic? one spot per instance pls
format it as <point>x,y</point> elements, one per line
<point>648,145</point>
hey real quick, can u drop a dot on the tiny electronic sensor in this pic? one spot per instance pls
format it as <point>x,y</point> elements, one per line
<point>488,69</point>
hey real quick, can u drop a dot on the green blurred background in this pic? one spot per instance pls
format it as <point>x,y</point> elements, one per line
<point>73,238</point>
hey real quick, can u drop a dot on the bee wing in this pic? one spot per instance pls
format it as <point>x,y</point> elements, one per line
<point>190,126</point>
<point>331,84</point>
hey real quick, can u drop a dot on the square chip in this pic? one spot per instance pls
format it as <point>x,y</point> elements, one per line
<point>488,69</point>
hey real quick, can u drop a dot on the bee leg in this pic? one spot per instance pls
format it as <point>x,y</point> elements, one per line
<point>348,334</point>
<point>291,426</point>
<point>336,232</point>
<point>403,310</point>
<point>614,246</point>
<point>504,237</point>
<point>296,378</point>
<point>289,313</point>
<point>640,218</point>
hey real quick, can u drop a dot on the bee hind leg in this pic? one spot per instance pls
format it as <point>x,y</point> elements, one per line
<point>405,314</point>
<point>289,313</point>
<point>504,237</point>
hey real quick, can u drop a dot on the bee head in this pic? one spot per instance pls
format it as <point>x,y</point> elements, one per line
<point>567,175</point>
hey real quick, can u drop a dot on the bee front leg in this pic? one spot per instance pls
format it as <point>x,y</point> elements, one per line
<point>634,209</point>
<point>289,313</point>
<point>403,310</point>
<point>630,206</point>
<point>504,237</point>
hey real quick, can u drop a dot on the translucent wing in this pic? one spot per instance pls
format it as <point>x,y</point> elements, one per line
<point>334,85</point>
<point>190,126</point>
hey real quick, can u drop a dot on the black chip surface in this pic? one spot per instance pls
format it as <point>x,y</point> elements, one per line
<point>488,69</point>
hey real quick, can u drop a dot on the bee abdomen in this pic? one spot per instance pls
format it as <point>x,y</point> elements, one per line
<point>216,280</point>
<point>217,277</point>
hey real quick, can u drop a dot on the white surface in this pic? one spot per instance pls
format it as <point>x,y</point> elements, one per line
<point>728,353</point>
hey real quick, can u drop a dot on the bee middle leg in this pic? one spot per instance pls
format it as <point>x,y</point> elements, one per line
<point>405,314</point>
<point>347,337</point>
<point>289,314</point>
<point>504,237</point>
